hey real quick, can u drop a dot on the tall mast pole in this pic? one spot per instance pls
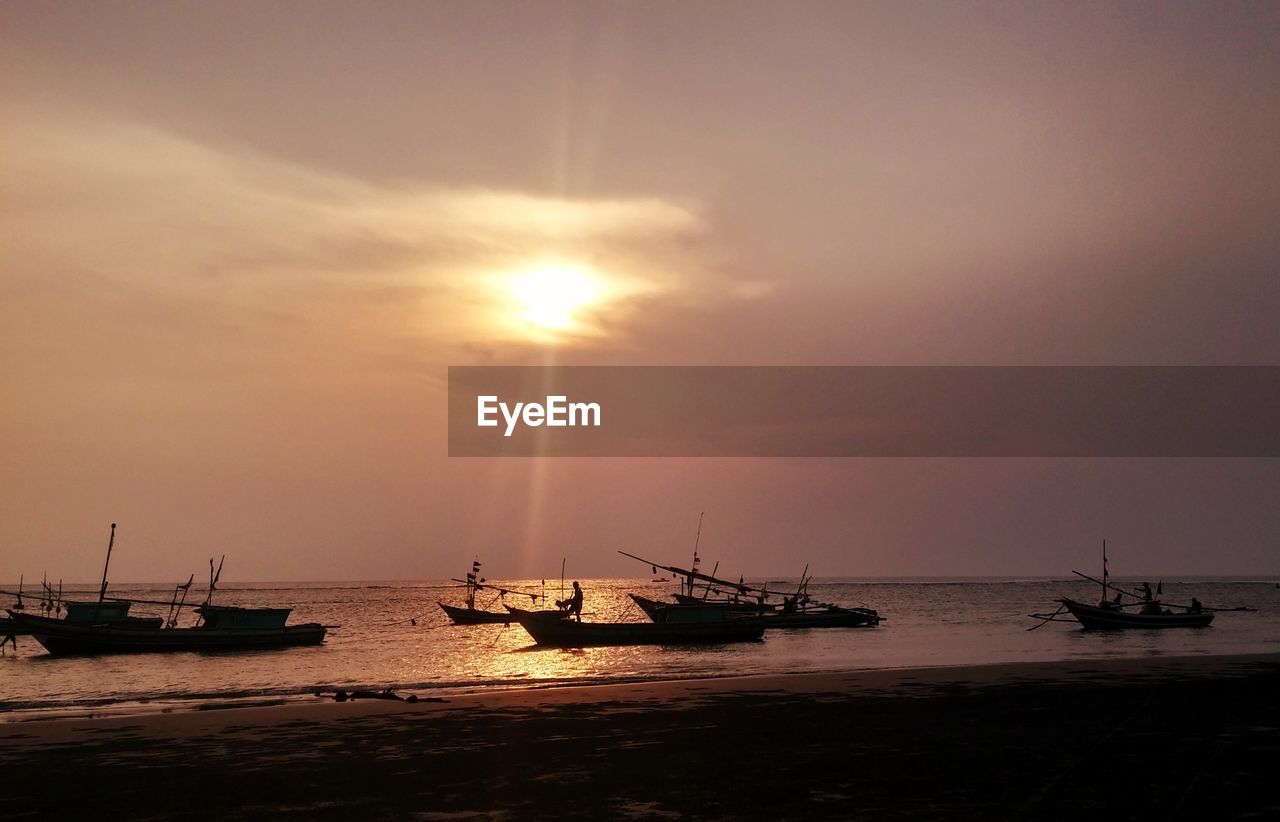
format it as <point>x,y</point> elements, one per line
<point>1104,570</point>
<point>696,540</point>
<point>102,592</point>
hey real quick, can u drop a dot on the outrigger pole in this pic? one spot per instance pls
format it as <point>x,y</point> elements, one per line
<point>102,592</point>
<point>692,574</point>
<point>499,588</point>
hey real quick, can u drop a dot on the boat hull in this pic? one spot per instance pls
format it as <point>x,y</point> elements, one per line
<point>736,607</point>
<point>65,639</point>
<point>666,612</point>
<point>838,618</point>
<point>662,612</point>
<point>567,633</point>
<point>1093,617</point>
<point>9,627</point>
<point>518,613</point>
<point>472,616</point>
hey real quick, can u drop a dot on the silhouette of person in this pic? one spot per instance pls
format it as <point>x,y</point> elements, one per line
<point>1196,607</point>
<point>1146,592</point>
<point>574,603</point>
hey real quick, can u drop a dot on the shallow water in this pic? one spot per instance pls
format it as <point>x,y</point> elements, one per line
<point>926,622</point>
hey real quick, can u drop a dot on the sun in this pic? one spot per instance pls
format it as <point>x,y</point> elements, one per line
<point>551,294</point>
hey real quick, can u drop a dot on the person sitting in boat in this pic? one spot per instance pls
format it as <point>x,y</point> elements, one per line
<point>788,605</point>
<point>1195,606</point>
<point>1147,596</point>
<point>572,605</point>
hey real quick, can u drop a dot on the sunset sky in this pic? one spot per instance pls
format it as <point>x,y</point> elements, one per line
<point>242,242</point>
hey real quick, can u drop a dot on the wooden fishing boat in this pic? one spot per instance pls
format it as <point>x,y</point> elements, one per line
<point>569,633</point>
<point>1112,616</point>
<point>225,628</point>
<point>741,599</point>
<point>474,616</point>
<point>469,614</point>
<point>105,626</point>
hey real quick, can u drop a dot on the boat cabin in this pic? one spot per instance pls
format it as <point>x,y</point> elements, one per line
<point>229,616</point>
<point>89,613</point>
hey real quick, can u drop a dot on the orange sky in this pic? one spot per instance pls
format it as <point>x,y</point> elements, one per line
<point>242,243</point>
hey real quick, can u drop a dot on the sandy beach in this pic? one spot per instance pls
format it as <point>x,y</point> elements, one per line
<point>1162,738</point>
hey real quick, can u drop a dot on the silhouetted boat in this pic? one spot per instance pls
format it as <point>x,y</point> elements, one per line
<point>105,627</point>
<point>569,633</point>
<point>1113,616</point>
<point>224,628</point>
<point>1110,613</point>
<point>469,614</point>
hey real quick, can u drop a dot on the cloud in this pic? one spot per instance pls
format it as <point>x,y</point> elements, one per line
<point>104,205</point>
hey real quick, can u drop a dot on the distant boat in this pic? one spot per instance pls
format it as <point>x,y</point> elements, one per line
<point>1112,613</point>
<point>569,633</point>
<point>1113,616</point>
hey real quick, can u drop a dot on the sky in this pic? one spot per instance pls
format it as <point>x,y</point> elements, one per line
<point>243,242</point>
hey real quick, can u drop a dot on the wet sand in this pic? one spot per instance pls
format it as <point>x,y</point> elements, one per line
<point>1165,738</point>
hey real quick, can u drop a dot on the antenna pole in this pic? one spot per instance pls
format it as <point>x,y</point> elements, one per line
<point>102,592</point>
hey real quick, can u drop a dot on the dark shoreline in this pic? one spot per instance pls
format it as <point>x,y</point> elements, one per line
<point>1167,738</point>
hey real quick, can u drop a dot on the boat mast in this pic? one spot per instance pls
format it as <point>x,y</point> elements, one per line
<point>471,584</point>
<point>696,540</point>
<point>102,592</point>
<point>1104,570</point>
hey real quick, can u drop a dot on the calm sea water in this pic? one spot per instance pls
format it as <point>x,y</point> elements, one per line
<point>933,622</point>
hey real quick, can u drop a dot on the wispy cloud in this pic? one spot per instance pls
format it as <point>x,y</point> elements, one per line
<point>117,205</point>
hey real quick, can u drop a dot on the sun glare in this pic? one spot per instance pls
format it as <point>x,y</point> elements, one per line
<point>551,294</point>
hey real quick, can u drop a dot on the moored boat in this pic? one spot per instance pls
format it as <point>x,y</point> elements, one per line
<point>105,626</point>
<point>224,629</point>
<point>469,614</point>
<point>826,616</point>
<point>474,616</point>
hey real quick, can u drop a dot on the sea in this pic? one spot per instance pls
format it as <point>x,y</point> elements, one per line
<point>394,635</point>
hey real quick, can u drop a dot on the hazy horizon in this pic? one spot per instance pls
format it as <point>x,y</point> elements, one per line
<point>243,243</point>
